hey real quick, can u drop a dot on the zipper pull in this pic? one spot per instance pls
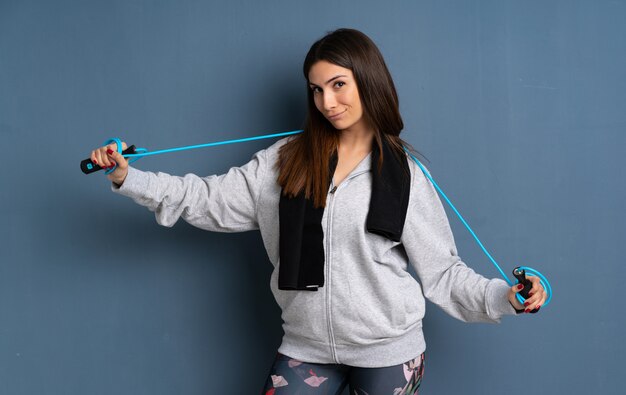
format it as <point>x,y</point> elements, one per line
<point>333,190</point>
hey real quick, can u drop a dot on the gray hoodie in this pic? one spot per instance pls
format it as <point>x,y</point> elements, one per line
<point>369,312</point>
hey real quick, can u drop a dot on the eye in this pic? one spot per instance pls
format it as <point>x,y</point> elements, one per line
<point>316,89</point>
<point>339,84</point>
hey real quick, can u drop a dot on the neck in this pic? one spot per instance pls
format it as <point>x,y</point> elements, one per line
<point>356,140</point>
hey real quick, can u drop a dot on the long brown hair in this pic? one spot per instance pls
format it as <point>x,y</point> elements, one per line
<point>303,161</point>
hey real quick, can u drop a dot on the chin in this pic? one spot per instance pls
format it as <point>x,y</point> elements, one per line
<point>341,125</point>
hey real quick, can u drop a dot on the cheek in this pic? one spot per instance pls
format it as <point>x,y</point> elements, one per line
<point>358,104</point>
<point>351,97</point>
<point>354,102</point>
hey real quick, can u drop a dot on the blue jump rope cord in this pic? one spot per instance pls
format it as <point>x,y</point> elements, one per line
<point>141,152</point>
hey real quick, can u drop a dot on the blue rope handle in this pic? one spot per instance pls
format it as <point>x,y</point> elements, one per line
<point>141,152</point>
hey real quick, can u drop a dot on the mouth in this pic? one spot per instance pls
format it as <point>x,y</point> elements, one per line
<point>335,116</point>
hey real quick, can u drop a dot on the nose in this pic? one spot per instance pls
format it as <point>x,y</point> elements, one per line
<point>330,102</point>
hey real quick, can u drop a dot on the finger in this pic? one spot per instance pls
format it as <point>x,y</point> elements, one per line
<point>541,300</point>
<point>110,147</point>
<point>115,148</point>
<point>92,157</point>
<point>513,297</point>
<point>118,159</point>
<point>536,281</point>
<point>517,287</point>
<point>535,308</point>
<point>535,286</point>
<point>533,303</point>
<point>538,293</point>
<point>104,158</point>
<point>533,300</point>
<point>529,303</point>
<point>99,158</point>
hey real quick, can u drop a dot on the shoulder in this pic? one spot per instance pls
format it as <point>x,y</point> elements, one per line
<point>275,148</point>
<point>423,194</point>
<point>273,151</point>
<point>419,172</point>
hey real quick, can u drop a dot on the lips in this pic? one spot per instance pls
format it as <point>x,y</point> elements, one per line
<point>335,116</point>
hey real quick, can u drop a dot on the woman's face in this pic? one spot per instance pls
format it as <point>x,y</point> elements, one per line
<point>336,95</point>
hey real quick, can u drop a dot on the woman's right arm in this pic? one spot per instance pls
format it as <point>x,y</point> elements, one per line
<point>224,203</point>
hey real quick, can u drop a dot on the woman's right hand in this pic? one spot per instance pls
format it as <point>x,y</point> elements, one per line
<point>107,157</point>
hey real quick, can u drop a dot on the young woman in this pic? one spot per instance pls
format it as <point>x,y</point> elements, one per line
<point>342,212</point>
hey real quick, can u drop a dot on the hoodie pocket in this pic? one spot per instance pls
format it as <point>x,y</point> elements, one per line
<point>380,310</point>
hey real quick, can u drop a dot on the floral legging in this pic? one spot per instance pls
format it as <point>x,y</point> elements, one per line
<point>289,376</point>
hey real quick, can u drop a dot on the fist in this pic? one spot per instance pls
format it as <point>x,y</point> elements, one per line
<point>536,297</point>
<point>107,157</point>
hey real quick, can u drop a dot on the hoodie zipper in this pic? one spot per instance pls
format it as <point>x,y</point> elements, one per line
<point>328,233</point>
<point>329,320</point>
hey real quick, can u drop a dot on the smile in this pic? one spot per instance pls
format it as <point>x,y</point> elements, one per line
<point>333,117</point>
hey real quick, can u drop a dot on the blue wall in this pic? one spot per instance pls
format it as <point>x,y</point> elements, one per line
<point>518,105</point>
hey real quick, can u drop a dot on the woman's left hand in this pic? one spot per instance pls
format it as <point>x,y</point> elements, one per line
<point>536,298</point>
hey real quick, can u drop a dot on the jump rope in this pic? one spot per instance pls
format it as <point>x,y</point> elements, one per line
<point>133,153</point>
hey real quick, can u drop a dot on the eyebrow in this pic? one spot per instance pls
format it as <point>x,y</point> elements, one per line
<point>330,80</point>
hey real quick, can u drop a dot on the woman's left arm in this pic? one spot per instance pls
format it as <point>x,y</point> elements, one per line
<point>446,280</point>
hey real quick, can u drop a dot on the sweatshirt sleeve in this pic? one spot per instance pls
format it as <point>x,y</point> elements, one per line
<point>445,279</point>
<point>224,203</point>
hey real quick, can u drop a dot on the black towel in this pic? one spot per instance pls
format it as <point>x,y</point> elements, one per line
<point>301,234</point>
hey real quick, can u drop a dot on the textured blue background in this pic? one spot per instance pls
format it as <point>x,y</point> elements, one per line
<point>518,105</point>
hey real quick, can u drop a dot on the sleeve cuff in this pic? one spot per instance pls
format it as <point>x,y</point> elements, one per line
<point>497,295</point>
<point>135,185</point>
